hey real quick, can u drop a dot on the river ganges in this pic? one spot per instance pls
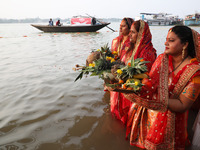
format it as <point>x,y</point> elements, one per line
<point>41,107</point>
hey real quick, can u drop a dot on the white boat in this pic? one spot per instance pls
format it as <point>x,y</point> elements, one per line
<point>192,20</point>
<point>160,19</point>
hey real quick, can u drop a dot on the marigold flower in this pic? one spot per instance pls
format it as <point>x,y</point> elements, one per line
<point>121,81</point>
<point>108,58</point>
<point>124,86</point>
<point>115,53</point>
<point>92,65</point>
<point>129,64</point>
<point>119,71</point>
<point>136,83</point>
<point>142,60</point>
<point>112,60</point>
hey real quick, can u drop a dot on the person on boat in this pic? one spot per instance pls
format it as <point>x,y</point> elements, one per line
<point>58,23</point>
<point>50,22</point>
<point>136,44</point>
<point>159,121</point>
<point>94,21</point>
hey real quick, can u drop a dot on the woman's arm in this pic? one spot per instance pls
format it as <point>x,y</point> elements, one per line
<point>180,105</point>
<point>187,97</point>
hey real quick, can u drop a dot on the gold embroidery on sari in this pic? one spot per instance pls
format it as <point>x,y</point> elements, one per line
<point>163,82</point>
<point>184,78</point>
<point>154,104</point>
<point>191,91</point>
<point>169,135</point>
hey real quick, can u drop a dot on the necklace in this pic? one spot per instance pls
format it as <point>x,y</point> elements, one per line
<point>178,65</point>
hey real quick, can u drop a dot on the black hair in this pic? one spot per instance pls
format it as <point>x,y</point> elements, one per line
<point>136,24</point>
<point>129,22</point>
<point>185,35</point>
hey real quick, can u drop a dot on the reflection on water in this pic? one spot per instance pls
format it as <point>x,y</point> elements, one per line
<point>41,106</point>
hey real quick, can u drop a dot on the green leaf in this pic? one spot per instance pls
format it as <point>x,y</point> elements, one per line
<point>79,77</point>
<point>94,74</point>
<point>132,62</point>
<point>112,85</point>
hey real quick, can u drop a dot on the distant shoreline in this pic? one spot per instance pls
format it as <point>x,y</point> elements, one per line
<point>38,20</point>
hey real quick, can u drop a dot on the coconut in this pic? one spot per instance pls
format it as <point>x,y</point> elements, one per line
<point>116,67</point>
<point>92,57</point>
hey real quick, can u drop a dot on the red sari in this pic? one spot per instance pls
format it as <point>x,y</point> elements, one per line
<point>120,45</point>
<point>150,123</point>
<point>143,49</point>
<point>117,109</point>
<point>160,129</point>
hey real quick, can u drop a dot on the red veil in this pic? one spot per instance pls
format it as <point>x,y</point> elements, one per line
<point>152,125</point>
<point>143,49</point>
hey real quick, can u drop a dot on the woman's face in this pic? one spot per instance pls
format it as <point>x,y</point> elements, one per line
<point>133,34</point>
<point>124,30</point>
<point>173,45</point>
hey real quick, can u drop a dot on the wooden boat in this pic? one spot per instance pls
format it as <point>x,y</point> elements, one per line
<point>71,28</point>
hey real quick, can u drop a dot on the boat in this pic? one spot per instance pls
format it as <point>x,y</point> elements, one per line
<point>160,19</point>
<point>192,20</point>
<point>70,28</point>
<point>78,24</point>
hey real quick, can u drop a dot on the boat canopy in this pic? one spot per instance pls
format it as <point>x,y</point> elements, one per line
<point>81,20</point>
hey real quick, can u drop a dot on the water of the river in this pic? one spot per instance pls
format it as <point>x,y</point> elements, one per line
<point>41,107</point>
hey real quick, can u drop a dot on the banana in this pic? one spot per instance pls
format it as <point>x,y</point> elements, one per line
<point>132,80</point>
<point>140,76</point>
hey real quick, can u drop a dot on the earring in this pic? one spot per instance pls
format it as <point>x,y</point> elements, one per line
<point>183,53</point>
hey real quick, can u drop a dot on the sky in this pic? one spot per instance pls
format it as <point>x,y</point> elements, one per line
<point>22,9</point>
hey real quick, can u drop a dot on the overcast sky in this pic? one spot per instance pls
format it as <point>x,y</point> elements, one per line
<point>21,9</point>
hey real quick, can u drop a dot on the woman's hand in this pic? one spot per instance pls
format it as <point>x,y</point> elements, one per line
<point>107,88</point>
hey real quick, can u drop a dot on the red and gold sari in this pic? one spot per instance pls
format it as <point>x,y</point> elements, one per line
<point>143,49</point>
<point>122,48</point>
<point>150,123</point>
<point>120,45</point>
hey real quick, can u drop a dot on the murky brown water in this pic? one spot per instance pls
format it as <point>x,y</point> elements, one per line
<point>41,107</point>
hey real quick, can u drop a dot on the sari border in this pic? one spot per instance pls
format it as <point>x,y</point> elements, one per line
<point>163,82</point>
<point>169,140</point>
<point>154,104</point>
<point>147,103</point>
<point>184,78</point>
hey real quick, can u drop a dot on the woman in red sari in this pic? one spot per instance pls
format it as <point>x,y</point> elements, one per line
<point>140,46</point>
<point>122,43</point>
<point>159,121</point>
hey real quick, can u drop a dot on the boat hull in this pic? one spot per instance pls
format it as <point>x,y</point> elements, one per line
<point>163,22</point>
<point>71,28</point>
<point>192,22</point>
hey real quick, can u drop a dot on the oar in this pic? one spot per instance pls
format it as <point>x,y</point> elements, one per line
<point>101,22</point>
